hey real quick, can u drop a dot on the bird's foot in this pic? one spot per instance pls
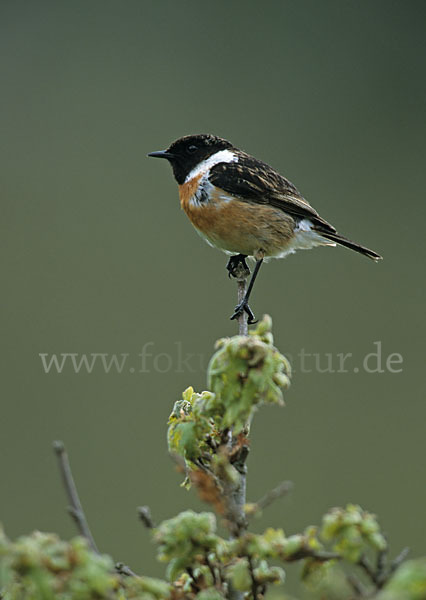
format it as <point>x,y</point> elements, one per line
<point>240,309</point>
<point>237,267</point>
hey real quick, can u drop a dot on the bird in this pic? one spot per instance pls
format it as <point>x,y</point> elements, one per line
<point>245,207</point>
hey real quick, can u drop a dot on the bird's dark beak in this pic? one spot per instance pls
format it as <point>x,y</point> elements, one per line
<point>162,154</point>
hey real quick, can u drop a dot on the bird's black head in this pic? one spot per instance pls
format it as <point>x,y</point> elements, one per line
<point>189,151</point>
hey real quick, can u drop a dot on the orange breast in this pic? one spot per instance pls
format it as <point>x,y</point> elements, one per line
<point>188,190</point>
<point>237,226</point>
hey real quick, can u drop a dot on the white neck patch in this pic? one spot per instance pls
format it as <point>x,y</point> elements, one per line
<point>221,156</point>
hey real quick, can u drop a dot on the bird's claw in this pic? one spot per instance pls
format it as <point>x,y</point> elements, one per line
<point>237,267</point>
<point>244,307</point>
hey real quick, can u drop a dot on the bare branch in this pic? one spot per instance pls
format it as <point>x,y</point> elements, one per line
<point>368,570</point>
<point>194,583</point>
<point>381,563</point>
<point>123,569</point>
<point>254,584</point>
<point>236,497</point>
<point>144,514</point>
<point>319,555</point>
<point>356,586</point>
<point>243,318</point>
<point>211,569</point>
<point>75,509</point>
<point>398,560</point>
<point>277,492</point>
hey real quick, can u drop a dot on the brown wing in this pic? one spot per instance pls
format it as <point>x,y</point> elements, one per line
<point>254,181</point>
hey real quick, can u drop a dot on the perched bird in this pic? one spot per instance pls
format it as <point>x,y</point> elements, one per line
<point>244,207</point>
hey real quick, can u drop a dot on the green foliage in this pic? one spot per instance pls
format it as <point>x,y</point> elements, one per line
<point>244,373</point>
<point>239,575</point>
<point>408,583</point>
<point>210,594</point>
<point>190,427</point>
<point>265,574</point>
<point>208,431</point>
<point>353,531</point>
<point>274,545</point>
<point>40,566</point>
<point>186,540</point>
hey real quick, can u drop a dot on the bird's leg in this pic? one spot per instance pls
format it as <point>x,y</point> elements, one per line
<point>243,305</point>
<point>237,267</point>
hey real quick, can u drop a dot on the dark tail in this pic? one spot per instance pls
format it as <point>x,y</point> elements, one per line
<point>335,237</point>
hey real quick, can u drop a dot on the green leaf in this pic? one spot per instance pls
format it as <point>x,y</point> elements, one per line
<point>408,582</point>
<point>239,575</point>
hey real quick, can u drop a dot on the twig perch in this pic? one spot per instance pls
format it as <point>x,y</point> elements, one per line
<point>237,495</point>
<point>239,491</point>
<point>243,318</point>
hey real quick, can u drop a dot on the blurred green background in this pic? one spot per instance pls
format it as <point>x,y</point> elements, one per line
<point>98,258</point>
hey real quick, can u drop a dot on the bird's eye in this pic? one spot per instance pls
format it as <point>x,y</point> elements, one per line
<point>191,149</point>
